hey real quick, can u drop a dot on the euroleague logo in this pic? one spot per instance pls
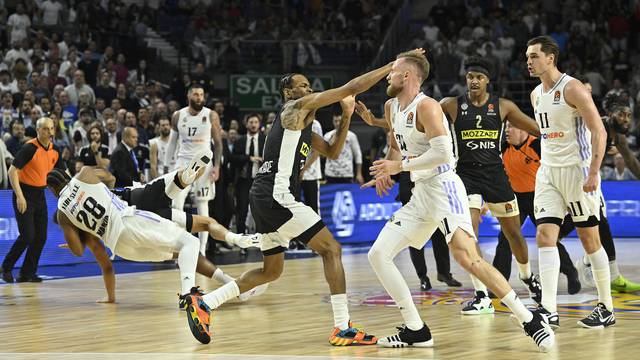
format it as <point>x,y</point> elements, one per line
<point>627,306</point>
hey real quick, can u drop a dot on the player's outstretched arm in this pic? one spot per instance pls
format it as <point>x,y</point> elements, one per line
<point>108,275</point>
<point>579,97</point>
<point>173,140</point>
<point>333,150</point>
<point>519,119</point>
<point>367,116</point>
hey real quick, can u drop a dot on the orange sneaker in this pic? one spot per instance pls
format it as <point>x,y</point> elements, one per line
<point>351,336</point>
<point>198,315</point>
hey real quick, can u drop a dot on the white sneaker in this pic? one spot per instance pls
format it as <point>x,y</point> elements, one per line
<point>481,304</point>
<point>192,170</point>
<point>256,291</point>
<point>249,240</point>
<point>584,273</point>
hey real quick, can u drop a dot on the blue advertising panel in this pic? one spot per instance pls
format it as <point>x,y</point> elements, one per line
<point>357,215</point>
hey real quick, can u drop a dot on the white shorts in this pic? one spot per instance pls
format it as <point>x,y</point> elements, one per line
<point>148,237</point>
<point>439,202</point>
<point>202,188</point>
<point>559,190</point>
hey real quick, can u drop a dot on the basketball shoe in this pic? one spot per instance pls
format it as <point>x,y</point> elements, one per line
<point>481,304</point>
<point>256,291</point>
<point>552,318</point>
<point>182,299</point>
<point>539,330</point>
<point>621,284</point>
<point>198,316</point>
<point>599,318</point>
<point>193,169</point>
<point>408,338</point>
<point>534,287</point>
<point>249,240</point>
<point>351,336</point>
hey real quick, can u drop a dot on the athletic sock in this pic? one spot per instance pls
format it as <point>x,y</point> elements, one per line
<point>601,276</point>
<point>187,261</point>
<point>613,269</point>
<point>524,270</point>
<point>221,277</point>
<point>549,261</point>
<point>340,311</point>
<point>517,307</point>
<point>478,285</point>
<point>221,295</point>
<point>410,314</point>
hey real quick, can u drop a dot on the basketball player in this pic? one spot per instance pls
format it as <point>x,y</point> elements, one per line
<point>478,119</point>
<point>439,200</point>
<point>616,123</point>
<point>573,143</point>
<point>279,217</point>
<point>88,211</point>
<point>193,127</point>
<point>158,150</point>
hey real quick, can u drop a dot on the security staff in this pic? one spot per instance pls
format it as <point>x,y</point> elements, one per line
<point>28,176</point>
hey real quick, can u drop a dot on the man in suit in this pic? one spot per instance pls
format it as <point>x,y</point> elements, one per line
<point>246,158</point>
<point>124,162</point>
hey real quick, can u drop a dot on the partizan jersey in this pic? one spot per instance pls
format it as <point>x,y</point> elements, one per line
<point>94,209</point>
<point>565,139</point>
<point>412,142</point>
<point>194,131</point>
<point>478,132</point>
<point>285,153</point>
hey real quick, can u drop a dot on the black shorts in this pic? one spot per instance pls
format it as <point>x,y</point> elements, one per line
<point>280,219</point>
<point>491,182</point>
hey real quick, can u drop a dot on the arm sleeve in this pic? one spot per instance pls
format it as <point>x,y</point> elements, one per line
<point>24,155</point>
<point>355,148</point>
<point>441,152</point>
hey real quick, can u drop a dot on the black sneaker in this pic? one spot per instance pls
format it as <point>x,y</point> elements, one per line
<point>534,287</point>
<point>540,331</point>
<point>425,283</point>
<point>408,338</point>
<point>599,318</point>
<point>552,317</point>
<point>30,278</point>
<point>7,276</point>
<point>449,280</point>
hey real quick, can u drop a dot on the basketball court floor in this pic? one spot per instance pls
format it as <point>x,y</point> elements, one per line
<point>59,319</point>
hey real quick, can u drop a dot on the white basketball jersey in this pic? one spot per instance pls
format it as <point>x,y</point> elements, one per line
<point>565,139</point>
<point>162,152</point>
<point>194,131</point>
<point>412,142</point>
<point>94,209</point>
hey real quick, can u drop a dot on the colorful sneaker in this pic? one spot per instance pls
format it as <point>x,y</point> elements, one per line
<point>481,304</point>
<point>192,171</point>
<point>182,299</point>
<point>408,338</point>
<point>599,318</point>
<point>351,336</point>
<point>621,284</point>
<point>256,291</point>
<point>539,330</point>
<point>534,287</point>
<point>198,316</point>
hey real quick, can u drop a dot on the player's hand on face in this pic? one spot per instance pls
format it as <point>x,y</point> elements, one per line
<point>591,184</point>
<point>95,146</point>
<point>383,168</point>
<point>348,104</point>
<point>364,112</point>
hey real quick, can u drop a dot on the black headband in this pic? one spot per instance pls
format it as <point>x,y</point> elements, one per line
<point>479,68</point>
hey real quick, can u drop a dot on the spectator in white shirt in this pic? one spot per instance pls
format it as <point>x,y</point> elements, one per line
<point>18,25</point>
<point>340,170</point>
<point>51,12</point>
<point>78,87</point>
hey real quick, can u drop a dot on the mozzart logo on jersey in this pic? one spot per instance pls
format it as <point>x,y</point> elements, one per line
<point>479,134</point>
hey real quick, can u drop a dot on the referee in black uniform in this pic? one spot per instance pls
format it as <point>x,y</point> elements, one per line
<point>28,176</point>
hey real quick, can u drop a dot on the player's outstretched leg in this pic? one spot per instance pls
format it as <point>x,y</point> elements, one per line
<point>463,247</point>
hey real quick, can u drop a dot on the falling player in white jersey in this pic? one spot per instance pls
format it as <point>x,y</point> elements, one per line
<point>439,200</point>
<point>193,127</point>
<point>158,150</point>
<point>573,141</point>
<point>88,211</point>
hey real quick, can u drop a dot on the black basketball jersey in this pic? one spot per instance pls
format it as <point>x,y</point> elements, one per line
<point>285,153</point>
<point>477,132</point>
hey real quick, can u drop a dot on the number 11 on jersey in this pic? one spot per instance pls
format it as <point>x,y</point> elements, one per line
<point>544,120</point>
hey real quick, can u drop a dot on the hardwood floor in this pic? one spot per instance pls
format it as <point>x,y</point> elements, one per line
<point>292,320</point>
